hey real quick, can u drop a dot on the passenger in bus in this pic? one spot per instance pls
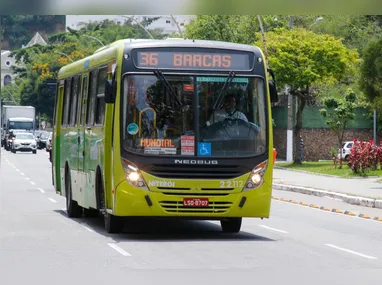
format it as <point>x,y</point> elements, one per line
<point>227,112</point>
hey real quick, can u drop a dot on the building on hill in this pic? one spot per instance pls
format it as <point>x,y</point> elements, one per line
<point>7,62</point>
<point>36,40</point>
<point>19,30</point>
<point>164,23</point>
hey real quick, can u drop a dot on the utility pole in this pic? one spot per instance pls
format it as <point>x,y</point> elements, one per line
<point>289,147</point>
<point>264,40</point>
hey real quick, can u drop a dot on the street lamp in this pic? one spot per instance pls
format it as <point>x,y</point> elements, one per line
<point>132,18</point>
<point>264,40</point>
<point>64,54</point>
<point>94,38</point>
<point>319,19</point>
<point>179,29</point>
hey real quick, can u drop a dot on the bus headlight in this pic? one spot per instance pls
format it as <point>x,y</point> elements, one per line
<point>133,175</point>
<point>256,178</point>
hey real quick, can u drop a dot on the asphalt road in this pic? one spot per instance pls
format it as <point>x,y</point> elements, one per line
<point>297,245</point>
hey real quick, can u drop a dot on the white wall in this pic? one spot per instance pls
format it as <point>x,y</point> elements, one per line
<point>6,64</point>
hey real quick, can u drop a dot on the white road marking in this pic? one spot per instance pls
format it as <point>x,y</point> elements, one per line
<point>351,251</point>
<point>52,200</point>
<point>120,250</point>
<point>17,169</point>
<point>27,178</point>
<point>273,229</point>
<point>23,174</point>
<point>41,190</point>
<point>89,229</point>
<point>32,183</point>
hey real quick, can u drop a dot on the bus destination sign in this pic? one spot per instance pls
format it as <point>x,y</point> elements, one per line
<point>193,60</point>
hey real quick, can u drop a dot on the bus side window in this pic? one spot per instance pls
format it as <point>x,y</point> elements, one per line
<point>70,109</point>
<point>91,98</point>
<point>74,103</point>
<point>66,103</point>
<point>100,99</point>
<point>81,103</point>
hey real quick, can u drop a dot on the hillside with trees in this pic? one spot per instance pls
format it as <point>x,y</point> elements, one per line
<point>17,30</point>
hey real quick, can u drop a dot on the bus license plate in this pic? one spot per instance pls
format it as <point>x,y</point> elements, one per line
<point>195,202</point>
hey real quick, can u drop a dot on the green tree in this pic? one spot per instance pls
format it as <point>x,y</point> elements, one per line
<point>371,77</point>
<point>339,113</point>
<point>371,72</point>
<point>355,30</point>
<point>229,28</point>
<point>10,95</point>
<point>302,60</point>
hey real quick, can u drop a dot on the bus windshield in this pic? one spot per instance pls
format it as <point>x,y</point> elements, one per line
<point>190,116</point>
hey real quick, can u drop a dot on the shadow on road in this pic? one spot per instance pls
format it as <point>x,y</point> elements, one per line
<point>166,230</point>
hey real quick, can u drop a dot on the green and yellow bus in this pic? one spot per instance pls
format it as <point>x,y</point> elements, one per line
<point>165,128</point>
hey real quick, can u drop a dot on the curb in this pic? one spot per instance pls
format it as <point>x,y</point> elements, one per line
<point>354,200</point>
<point>337,211</point>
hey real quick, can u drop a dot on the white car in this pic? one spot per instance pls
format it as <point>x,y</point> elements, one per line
<point>24,142</point>
<point>346,150</point>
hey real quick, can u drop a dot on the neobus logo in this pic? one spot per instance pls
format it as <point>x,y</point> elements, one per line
<point>188,161</point>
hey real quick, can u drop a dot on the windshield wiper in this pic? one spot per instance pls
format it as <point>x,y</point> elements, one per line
<point>225,86</point>
<point>161,77</point>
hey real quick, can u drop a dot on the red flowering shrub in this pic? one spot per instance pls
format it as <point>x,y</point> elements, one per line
<point>362,156</point>
<point>378,155</point>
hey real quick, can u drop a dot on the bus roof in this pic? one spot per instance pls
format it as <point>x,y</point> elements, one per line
<point>111,50</point>
<point>191,43</point>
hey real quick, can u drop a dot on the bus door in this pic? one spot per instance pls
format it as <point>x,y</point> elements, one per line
<point>82,124</point>
<point>56,138</point>
<point>89,141</point>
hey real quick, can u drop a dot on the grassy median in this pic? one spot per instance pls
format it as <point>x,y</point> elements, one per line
<point>327,167</point>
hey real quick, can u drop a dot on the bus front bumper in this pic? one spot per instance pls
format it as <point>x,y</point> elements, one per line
<point>131,201</point>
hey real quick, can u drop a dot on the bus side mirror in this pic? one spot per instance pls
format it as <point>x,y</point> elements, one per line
<point>109,92</point>
<point>273,91</point>
<point>272,87</point>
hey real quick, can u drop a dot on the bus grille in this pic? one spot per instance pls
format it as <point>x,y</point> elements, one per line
<point>196,171</point>
<point>178,207</point>
<point>203,192</point>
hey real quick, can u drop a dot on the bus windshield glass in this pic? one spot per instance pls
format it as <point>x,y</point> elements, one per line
<point>191,116</point>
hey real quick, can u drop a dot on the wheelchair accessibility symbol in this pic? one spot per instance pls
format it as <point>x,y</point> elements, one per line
<point>204,149</point>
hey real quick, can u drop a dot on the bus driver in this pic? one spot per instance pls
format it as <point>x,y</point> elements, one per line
<point>228,112</point>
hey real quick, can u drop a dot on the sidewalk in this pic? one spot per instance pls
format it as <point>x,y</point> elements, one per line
<point>357,191</point>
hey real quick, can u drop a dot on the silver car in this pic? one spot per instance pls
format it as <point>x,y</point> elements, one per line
<point>24,142</point>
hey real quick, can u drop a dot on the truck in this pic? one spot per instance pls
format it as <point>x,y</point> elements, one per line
<point>16,118</point>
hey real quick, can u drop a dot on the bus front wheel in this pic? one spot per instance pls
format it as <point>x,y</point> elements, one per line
<point>113,224</point>
<point>231,225</point>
